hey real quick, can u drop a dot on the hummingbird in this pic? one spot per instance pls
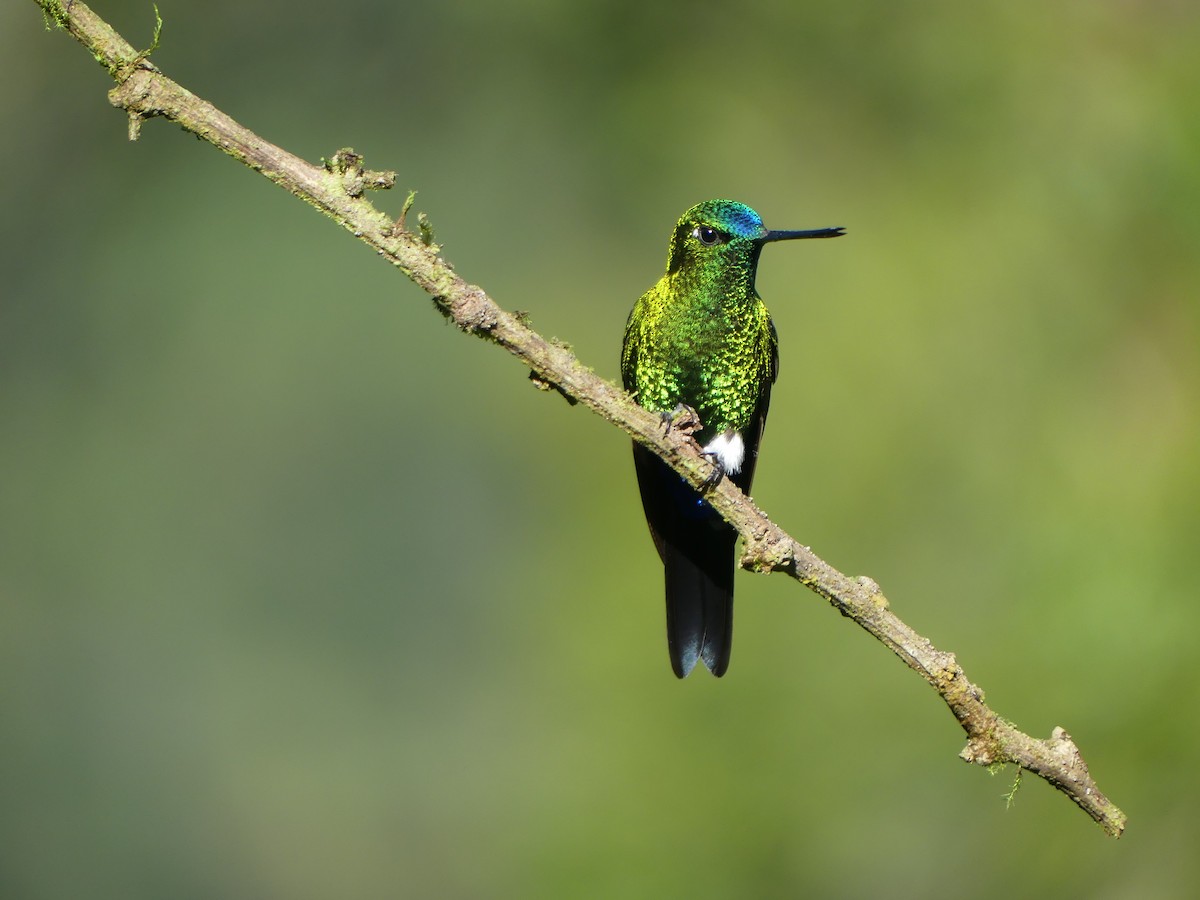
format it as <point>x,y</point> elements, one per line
<point>701,340</point>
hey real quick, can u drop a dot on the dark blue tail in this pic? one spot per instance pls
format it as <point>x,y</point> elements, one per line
<point>697,549</point>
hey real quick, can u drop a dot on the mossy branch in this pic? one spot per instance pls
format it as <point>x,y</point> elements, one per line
<point>338,187</point>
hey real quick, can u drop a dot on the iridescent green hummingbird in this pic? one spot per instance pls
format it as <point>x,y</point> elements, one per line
<point>702,339</point>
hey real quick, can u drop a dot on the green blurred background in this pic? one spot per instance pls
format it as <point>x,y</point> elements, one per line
<point>304,594</point>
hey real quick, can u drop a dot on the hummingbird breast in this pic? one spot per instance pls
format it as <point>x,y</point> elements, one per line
<point>711,350</point>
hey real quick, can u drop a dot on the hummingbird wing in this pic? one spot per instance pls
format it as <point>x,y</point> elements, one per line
<point>752,436</point>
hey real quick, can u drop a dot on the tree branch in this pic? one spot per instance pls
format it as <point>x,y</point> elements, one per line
<point>337,188</point>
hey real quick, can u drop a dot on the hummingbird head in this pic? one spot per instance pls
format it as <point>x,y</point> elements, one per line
<point>725,232</point>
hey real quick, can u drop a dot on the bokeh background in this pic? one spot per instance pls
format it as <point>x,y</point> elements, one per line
<point>305,594</point>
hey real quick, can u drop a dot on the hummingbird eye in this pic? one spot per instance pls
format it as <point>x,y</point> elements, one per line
<point>708,235</point>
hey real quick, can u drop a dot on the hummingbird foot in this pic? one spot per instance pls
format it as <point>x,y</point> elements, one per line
<point>682,418</point>
<point>713,478</point>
